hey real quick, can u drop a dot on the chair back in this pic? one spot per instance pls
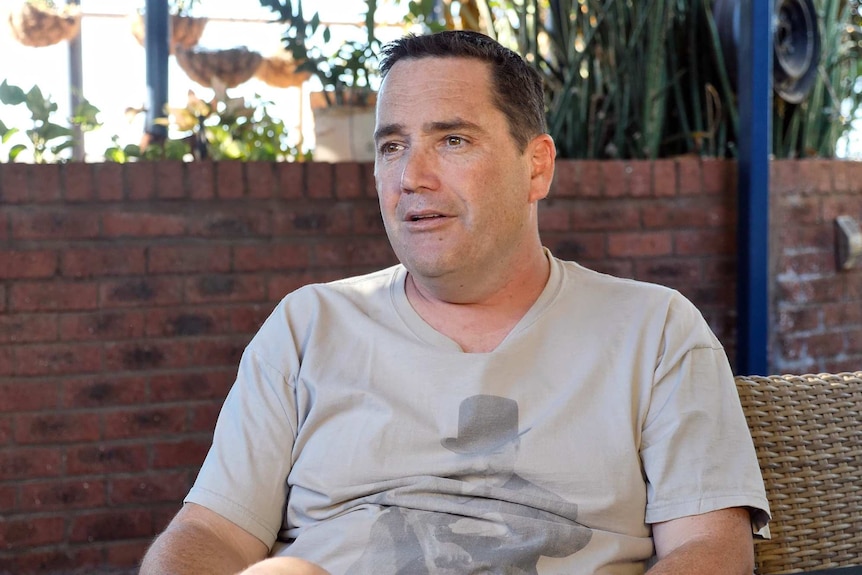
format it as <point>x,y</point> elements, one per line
<point>807,432</point>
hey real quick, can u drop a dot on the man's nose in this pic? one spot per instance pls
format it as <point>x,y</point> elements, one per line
<point>419,171</point>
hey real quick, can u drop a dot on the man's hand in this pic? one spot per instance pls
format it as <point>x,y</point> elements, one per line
<point>201,541</point>
<point>715,542</point>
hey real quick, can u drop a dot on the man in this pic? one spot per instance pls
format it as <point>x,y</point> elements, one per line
<point>328,447</point>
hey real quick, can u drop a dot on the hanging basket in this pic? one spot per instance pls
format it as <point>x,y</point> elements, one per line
<point>280,71</point>
<point>229,68</point>
<point>185,31</point>
<point>40,26</point>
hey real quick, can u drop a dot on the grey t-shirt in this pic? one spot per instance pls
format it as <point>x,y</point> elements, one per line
<point>358,437</point>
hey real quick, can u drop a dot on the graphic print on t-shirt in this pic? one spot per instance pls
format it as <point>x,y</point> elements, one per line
<point>495,521</point>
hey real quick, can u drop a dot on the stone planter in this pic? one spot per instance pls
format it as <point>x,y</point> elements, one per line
<point>280,71</point>
<point>185,31</point>
<point>228,68</point>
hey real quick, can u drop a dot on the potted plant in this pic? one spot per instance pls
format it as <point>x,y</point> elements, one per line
<point>185,29</point>
<point>344,109</point>
<point>229,67</point>
<point>39,23</point>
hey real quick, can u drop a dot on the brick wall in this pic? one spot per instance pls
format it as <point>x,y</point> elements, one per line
<point>128,292</point>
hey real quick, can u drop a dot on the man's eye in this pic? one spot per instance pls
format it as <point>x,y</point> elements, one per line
<point>454,140</point>
<point>389,148</point>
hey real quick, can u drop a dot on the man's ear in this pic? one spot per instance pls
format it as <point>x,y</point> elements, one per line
<point>543,154</point>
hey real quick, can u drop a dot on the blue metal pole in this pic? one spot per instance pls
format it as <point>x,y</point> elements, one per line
<point>156,44</point>
<point>755,145</point>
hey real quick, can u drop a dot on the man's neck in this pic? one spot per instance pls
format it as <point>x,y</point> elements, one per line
<point>481,322</point>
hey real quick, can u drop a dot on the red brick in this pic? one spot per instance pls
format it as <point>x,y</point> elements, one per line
<point>150,488</point>
<point>640,178</point>
<point>79,183</point>
<point>8,498</point>
<point>28,328</point>
<point>29,183</point>
<point>819,290</point>
<point>808,264</point>
<point>31,532</point>
<point>244,224</point>
<point>230,180</point>
<point>842,313</point>
<point>719,177</point>
<point>704,242</point>
<point>187,322</point>
<point>201,178</point>
<point>799,320</point>
<point>577,246</point>
<point>189,259</point>
<point>58,359</point>
<point>319,180</point>
<point>848,205</point>
<point>192,386</point>
<point>140,180</point>
<point>99,459</point>
<point>144,355</point>
<point>56,428</point>
<point>312,221</point>
<point>144,422</point>
<point>553,217</point>
<point>170,179</point>
<point>290,180</point>
<point>785,178</point>
<point>282,284</point>
<point>628,244</point>
<point>102,325</point>
<point>55,296</point>
<point>6,432</point>
<point>821,172</point>
<point>565,184</point>
<point>589,179</point>
<point>30,463</point>
<point>203,417</point>
<point>840,177</point>
<point>805,237</point>
<point>796,210</point>
<point>180,454</point>
<point>27,264</point>
<point>221,351</point>
<point>226,288</point>
<point>55,225</point>
<point>62,495</point>
<point>7,361</point>
<point>48,560</point>
<point>109,181</point>
<point>28,396</point>
<point>270,257</point>
<point>110,261</point>
<point>348,180</point>
<point>369,182</point>
<point>143,292</point>
<point>261,179</point>
<point>614,178</point>
<point>103,391</point>
<point>687,213</point>
<point>143,224</point>
<point>689,176</point>
<point>367,220</point>
<point>668,271</point>
<point>248,318</point>
<point>617,215</point>
<point>128,553</point>
<point>111,526</point>
<point>613,267</point>
<point>664,178</point>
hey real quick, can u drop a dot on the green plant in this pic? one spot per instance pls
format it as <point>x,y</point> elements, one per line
<point>47,139</point>
<point>348,74</point>
<point>222,129</point>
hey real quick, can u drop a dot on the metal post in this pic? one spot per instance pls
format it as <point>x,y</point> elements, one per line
<point>755,145</point>
<point>76,90</point>
<point>157,52</point>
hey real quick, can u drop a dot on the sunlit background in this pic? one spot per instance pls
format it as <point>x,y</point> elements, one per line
<point>114,73</point>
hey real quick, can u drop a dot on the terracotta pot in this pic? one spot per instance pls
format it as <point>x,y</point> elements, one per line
<point>185,31</point>
<point>229,67</point>
<point>38,26</point>
<point>280,71</point>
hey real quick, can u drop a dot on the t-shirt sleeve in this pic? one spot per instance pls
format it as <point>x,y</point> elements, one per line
<point>696,448</point>
<point>244,475</point>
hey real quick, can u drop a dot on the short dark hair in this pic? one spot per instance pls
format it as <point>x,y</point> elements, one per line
<point>518,91</point>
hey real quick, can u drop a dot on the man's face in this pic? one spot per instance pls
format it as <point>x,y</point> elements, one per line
<point>455,192</point>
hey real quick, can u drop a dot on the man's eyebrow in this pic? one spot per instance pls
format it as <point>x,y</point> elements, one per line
<point>455,125</point>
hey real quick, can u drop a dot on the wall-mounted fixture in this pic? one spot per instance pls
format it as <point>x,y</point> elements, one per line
<point>848,242</point>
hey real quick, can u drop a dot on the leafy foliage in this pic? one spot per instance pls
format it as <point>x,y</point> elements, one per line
<point>46,138</point>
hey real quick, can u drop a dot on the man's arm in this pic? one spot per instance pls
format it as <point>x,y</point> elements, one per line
<point>715,542</point>
<point>201,541</point>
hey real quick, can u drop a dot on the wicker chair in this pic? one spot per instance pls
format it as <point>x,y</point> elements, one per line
<point>807,431</point>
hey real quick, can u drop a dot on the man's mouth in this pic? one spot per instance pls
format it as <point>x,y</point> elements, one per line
<point>417,218</point>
